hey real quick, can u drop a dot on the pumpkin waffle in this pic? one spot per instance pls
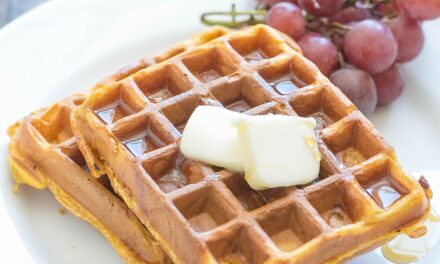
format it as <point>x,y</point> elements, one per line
<point>205,214</point>
<point>44,154</point>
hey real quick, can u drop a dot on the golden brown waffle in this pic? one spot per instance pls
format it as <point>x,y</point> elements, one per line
<point>204,214</point>
<point>44,153</point>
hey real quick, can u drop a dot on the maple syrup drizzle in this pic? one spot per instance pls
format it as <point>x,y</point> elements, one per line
<point>255,56</point>
<point>398,251</point>
<point>208,76</point>
<point>383,192</point>
<point>142,142</point>
<point>113,112</point>
<point>160,95</point>
<point>285,86</point>
<point>107,115</point>
<point>239,106</point>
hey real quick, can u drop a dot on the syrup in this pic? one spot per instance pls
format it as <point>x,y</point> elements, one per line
<point>403,250</point>
<point>106,115</point>
<point>383,192</point>
<point>113,112</point>
<point>350,157</point>
<point>173,180</point>
<point>284,86</point>
<point>240,106</point>
<point>160,95</point>
<point>142,143</point>
<point>255,56</point>
<point>336,217</point>
<point>208,76</point>
<point>287,84</point>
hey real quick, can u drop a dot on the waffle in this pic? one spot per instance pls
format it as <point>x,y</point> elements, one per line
<point>44,154</point>
<point>205,214</point>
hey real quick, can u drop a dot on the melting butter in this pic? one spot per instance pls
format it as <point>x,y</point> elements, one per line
<point>278,150</point>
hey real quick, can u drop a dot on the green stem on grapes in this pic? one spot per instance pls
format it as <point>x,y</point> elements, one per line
<point>253,18</point>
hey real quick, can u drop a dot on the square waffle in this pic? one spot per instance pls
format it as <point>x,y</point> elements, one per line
<point>205,214</point>
<point>44,154</point>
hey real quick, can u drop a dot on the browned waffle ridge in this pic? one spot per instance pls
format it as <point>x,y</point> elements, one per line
<point>44,153</point>
<point>204,214</point>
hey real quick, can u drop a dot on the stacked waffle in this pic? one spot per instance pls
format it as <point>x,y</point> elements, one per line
<point>127,131</point>
<point>44,154</point>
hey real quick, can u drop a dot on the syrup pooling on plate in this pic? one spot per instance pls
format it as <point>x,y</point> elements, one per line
<point>403,250</point>
<point>383,192</point>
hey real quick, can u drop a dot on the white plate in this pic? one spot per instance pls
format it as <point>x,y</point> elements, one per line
<point>66,46</point>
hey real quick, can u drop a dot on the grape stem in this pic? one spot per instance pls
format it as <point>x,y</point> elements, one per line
<point>341,60</point>
<point>254,17</point>
<point>331,27</point>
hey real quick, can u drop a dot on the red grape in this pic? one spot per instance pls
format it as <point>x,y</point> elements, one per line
<point>389,8</point>
<point>321,51</point>
<point>409,36</point>
<point>421,9</point>
<point>350,14</point>
<point>371,46</point>
<point>321,7</point>
<point>287,18</point>
<point>358,86</point>
<point>270,3</point>
<point>389,85</point>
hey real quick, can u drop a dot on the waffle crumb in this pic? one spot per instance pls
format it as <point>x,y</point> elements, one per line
<point>62,211</point>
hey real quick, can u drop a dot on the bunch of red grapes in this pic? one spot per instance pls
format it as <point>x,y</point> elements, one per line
<point>357,44</point>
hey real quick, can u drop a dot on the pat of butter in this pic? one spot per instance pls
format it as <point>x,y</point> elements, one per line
<point>278,150</point>
<point>210,137</point>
